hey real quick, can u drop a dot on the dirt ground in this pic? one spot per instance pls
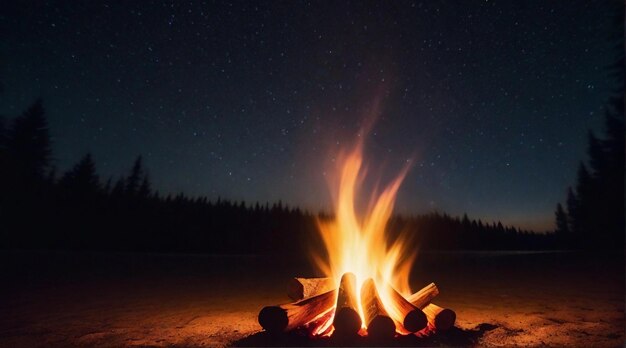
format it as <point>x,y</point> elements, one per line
<point>63,299</point>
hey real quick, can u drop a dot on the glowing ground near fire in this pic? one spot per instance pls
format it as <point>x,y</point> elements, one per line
<point>126,300</point>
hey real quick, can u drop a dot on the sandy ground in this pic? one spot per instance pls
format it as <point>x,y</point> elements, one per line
<point>53,299</point>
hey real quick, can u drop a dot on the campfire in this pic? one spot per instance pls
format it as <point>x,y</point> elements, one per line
<point>366,289</point>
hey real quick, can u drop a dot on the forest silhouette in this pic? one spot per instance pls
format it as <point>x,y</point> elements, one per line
<point>78,211</point>
<point>594,213</point>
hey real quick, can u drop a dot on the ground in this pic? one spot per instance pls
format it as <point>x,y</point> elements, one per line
<point>74,299</point>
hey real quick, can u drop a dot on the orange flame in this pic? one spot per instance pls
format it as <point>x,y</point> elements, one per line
<point>359,244</point>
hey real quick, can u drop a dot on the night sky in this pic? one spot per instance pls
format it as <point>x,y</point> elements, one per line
<point>490,100</point>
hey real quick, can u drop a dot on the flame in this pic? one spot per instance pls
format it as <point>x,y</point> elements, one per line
<point>358,244</point>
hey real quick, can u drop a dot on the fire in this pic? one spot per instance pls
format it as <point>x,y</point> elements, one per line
<point>366,288</point>
<point>359,244</point>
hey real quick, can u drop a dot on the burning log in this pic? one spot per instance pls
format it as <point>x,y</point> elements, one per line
<point>379,324</point>
<point>347,319</point>
<point>299,288</point>
<point>441,318</point>
<point>438,317</point>
<point>289,316</point>
<point>423,297</point>
<point>320,326</point>
<point>412,318</point>
<point>314,314</point>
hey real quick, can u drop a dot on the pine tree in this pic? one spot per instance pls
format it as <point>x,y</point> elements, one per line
<point>597,156</point>
<point>585,190</point>
<point>51,179</point>
<point>118,189</point>
<point>82,178</point>
<point>562,225</point>
<point>3,151</point>
<point>613,184</point>
<point>465,221</point>
<point>28,144</point>
<point>3,135</point>
<point>136,173</point>
<point>145,188</point>
<point>107,186</point>
<point>572,211</point>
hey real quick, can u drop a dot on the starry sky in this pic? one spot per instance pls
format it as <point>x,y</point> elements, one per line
<point>490,101</point>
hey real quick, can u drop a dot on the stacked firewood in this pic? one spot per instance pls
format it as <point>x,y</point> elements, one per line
<point>317,300</point>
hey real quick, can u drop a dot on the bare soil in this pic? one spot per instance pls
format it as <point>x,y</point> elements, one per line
<point>66,299</point>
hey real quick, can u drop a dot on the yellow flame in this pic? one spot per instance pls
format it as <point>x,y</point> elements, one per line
<point>359,245</point>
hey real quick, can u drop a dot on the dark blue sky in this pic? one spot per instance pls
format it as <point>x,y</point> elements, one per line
<point>491,99</point>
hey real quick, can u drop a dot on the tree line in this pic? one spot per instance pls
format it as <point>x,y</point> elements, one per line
<point>593,217</point>
<point>78,210</point>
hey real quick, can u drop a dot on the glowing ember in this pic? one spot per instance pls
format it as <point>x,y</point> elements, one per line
<point>358,244</point>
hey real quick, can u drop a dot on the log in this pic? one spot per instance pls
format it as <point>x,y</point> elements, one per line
<point>347,319</point>
<point>290,316</point>
<point>321,326</point>
<point>379,324</point>
<point>440,318</point>
<point>411,317</point>
<point>423,297</point>
<point>300,288</point>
